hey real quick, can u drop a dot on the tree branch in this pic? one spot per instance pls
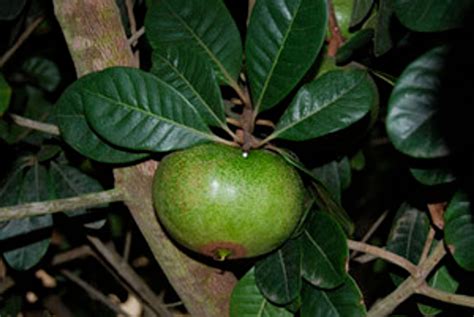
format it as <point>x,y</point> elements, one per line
<point>410,286</point>
<point>383,254</point>
<point>371,230</point>
<point>57,205</point>
<point>93,292</point>
<point>457,299</point>
<point>8,54</point>
<point>130,277</point>
<point>35,125</point>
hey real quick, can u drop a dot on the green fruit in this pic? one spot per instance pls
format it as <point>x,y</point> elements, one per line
<point>216,202</point>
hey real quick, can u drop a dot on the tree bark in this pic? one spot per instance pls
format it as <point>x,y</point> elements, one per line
<point>96,40</point>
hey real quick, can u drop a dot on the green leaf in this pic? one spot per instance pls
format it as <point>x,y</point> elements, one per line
<point>408,235</point>
<point>433,176</point>
<point>343,11</point>
<point>76,131</point>
<point>360,11</point>
<point>42,72</point>
<point>24,258</point>
<point>345,172</point>
<point>10,9</point>
<point>383,38</point>
<point>459,230</point>
<point>138,111</point>
<point>323,198</point>
<point>357,41</point>
<point>335,176</point>
<point>5,94</point>
<point>330,103</point>
<point>194,78</point>
<point>27,187</point>
<point>433,15</point>
<point>67,181</point>
<point>204,26</point>
<point>346,300</point>
<point>284,37</point>
<point>325,251</point>
<point>278,274</point>
<point>247,301</point>
<point>442,280</point>
<point>414,114</point>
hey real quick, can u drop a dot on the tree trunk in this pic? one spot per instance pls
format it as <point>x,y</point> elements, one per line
<point>96,40</point>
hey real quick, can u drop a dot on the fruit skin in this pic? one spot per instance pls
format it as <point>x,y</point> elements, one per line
<point>215,202</point>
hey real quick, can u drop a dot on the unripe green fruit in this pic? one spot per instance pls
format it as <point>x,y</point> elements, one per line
<point>214,201</point>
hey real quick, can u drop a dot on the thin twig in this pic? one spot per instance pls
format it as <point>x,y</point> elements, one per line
<point>251,5</point>
<point>35,125</point>
<point>383,254</point>
<point>371,230</point>
<point>93,292</point>
<point>336,39</point>
<point>131,16</point>
<point>135,36</point>
<point>26,33</point>
<point>457,299</point>
<point>265,123</point>
<point>58,205</point>
<point>127,245</point>
<point>130,276</point>
<point>79,252</point>
<point>428,244</point>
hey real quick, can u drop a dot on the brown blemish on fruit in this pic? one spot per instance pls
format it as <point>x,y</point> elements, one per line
<point>215,250</point>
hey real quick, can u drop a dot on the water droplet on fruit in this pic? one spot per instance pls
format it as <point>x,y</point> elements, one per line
<point>245,154</point>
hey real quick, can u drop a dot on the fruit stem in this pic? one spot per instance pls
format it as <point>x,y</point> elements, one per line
<point>222,254</point>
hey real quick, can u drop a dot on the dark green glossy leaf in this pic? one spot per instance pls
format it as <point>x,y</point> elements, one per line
<point>433,15</point>
<point>138,111</point>
<point>408,235</point>
<point>325,251</point>
<point>76,131</point>
<point>459,230</point>
<point>323,197</point>
<point>204,26</point>
<point>277,32</point>
<point>191,75</point>
<point>360,11</point>
<point>355,43</point>
<point>42,72</point>
<point>26,187</point>
<point>345,172</point>
<point>10,9</point>
<point>67,181</point>
<point>5,94</point>
<point>278,274</point>
<point>330,103</point>
<point>335,176</point>
<point>442,280</point>
<point>414,116</point>
<point>383,38</point>
<point>346,300</point>
<point>247,301</point>
<point>433,176</point>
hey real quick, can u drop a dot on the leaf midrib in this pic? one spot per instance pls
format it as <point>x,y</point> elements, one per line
<point>322,253</point>
<point>272,69</point>
<point>201,43</point>
<point>195,92</point>
<point>150,114</point>
<point>312,113</point>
